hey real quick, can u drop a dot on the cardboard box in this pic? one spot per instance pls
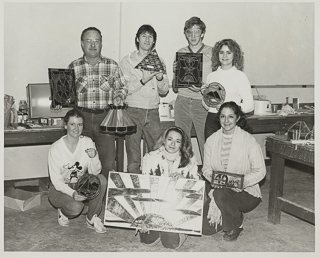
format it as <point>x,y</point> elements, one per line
<point>21,200</point>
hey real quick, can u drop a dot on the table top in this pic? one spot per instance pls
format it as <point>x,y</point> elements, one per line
<point>49,134</point>
<point>253,120</point>
<point>279,145</point>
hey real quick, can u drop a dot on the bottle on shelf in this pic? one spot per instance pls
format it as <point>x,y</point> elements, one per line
<point>23,112</point>
<point>287,101</point>
<point>14,119</point>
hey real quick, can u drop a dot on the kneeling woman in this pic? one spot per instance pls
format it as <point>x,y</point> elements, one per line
<point>232,149</point>
<point>172,156</point>
<point>69,158</point>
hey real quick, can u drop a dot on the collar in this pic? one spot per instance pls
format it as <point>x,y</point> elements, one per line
<point>199,50</point>
<point>171,156</point>
<point>85,59</point>
<point>232,68</point>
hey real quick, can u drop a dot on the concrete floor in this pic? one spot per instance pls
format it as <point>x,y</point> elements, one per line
<point>37,230</point>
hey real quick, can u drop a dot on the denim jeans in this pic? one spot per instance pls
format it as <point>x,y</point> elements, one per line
<point>148,125</point>
<point>189,111</point>
<point>232,206</point>
<point>105,143</point>
<point>212,124</point>
<point>72,208</point>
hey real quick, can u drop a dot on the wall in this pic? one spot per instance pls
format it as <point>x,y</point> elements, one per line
<point>26,162</point>
<point>275,37</point>
<point>39,36</point>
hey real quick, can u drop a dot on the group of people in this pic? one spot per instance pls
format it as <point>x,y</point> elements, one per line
<point>221,132</point>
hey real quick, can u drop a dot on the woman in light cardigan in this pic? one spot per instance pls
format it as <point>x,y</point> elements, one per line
<point>232,149</point>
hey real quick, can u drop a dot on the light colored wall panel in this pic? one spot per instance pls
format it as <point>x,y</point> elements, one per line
<point>26,162</point>
<point>38,36</point>
<point>277,38</point>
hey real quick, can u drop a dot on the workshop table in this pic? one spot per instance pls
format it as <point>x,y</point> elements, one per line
<point>48,134</point>
<point>282,149</point>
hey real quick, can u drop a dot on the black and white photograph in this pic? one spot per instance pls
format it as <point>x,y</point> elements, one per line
<point>136,128</point>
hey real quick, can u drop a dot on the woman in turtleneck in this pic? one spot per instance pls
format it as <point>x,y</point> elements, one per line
<point>172,156</point>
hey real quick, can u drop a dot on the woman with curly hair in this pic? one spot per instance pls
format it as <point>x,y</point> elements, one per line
<point>227,65</point>
<point>172,156</point>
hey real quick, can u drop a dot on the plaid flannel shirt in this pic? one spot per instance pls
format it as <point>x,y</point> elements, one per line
<point>98,85</point>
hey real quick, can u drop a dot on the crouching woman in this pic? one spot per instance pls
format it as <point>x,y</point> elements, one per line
<point>172,156</point>
<point>232,149</point>
<point>69,158</point>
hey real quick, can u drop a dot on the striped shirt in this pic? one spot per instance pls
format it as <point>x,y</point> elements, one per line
<point>225,150</point>
<point>98,85</point>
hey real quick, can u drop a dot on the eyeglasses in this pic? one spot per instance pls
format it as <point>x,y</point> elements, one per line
<point>196,33</point>
<point>90,41</point>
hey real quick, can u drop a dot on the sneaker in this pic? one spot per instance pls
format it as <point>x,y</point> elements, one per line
<point>96,224</point>
<point>63,220</point>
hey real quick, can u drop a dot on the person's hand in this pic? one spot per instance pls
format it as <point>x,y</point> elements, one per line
<point>218,107</point>
<point>176,176</point>
<point>147,75</point>
<point>78,197</point>
<point>91,152</point>
<point>117,101</point>
<point>174,66</point>
<point>159,76</point>
<point>217,186</point>
<point>203,88</point>
<point>56,108</point>
<point>194,88</point>
<point>238,190</point>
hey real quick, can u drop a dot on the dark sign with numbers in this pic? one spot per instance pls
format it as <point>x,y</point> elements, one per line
<point>226,179</point>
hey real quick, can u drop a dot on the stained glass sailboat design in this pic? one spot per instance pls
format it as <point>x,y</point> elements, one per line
<point>89,186</point>
<point>154,203</point>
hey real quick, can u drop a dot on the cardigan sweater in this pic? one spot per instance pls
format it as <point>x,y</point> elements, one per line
<point>245,158</point>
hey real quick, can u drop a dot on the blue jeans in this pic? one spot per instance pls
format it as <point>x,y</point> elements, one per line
<point>148,125</point>
<point>189,111</point>
<point>232,206</point>
<point>105,143</point>
<point>212,124</point>
<point>72,208</point>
